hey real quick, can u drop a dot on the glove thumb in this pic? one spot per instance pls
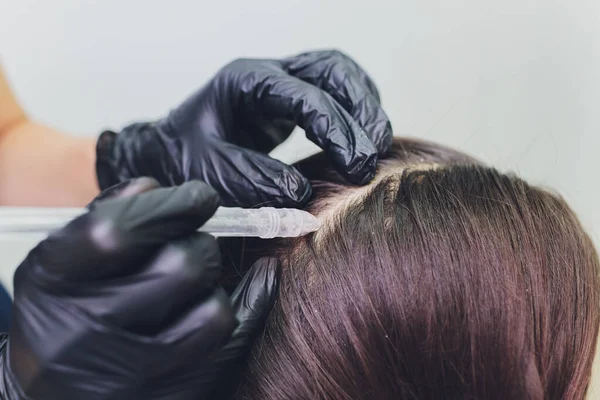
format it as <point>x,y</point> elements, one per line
<point>252,302</point>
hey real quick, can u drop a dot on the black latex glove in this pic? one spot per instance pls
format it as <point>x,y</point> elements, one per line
<point>222,133</point>
<point>123,303</point>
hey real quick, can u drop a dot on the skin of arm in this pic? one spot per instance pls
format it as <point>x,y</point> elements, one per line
<point>40,166</point>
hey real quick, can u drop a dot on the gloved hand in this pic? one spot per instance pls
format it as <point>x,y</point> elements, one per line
<point>222,133</point>
<point>123,303</point>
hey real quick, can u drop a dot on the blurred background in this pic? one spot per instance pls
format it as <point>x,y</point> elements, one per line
<point>514,83</point>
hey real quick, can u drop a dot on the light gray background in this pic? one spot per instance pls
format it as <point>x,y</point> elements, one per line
<point>515,83</point>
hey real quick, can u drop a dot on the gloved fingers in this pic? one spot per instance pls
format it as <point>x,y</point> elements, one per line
<point>363,76</point>
<point>126,188</point>
<point>247,178</point>
<point>181,364</point>
<point>121,234</point>
<point>324,120</point>
<point>252,302</point>
<point>181,274</point>
<point>202,330</point>
<point>349,85</point>
<point>316,61</point>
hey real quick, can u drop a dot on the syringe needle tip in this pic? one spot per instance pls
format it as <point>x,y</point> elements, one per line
<point>311,224</point>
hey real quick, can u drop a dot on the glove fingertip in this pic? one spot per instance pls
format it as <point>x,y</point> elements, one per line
<point>256,293</point>
<point>252,302</point>
<point>247,178</point>
<point>385,140</point>
<point>295,188</point>
<point>139,185</point>
<point>126,188</point>
<point>360,169</point>
<point>202,198</point>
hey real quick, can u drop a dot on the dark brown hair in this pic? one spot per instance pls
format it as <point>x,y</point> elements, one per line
<point>457,282</point>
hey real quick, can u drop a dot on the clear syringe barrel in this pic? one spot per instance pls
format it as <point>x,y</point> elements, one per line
<point>265,222</point>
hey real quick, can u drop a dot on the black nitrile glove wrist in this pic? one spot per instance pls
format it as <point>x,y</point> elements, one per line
<point>124,303</point>
<point>223,132</point>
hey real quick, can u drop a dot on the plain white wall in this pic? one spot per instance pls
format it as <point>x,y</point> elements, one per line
<point>515,83</point>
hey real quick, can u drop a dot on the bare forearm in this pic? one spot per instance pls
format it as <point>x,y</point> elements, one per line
<point>11,112</point>
<point>40,166</point>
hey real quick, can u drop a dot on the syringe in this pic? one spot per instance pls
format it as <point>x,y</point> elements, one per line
<point>265,222</point>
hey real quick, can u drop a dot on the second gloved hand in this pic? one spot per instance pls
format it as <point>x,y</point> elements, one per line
<point>124,303</point>
<point>223,132</point>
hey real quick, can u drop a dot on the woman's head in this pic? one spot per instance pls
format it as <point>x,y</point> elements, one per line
<point>441,279</point>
